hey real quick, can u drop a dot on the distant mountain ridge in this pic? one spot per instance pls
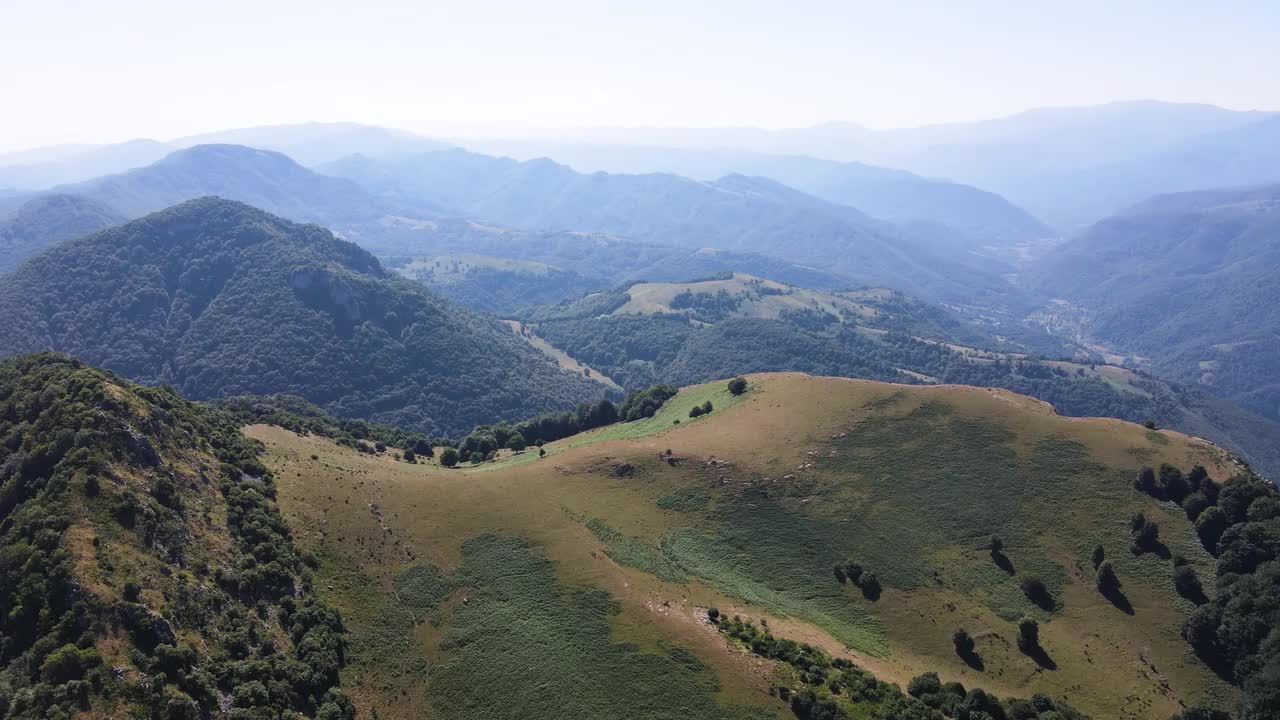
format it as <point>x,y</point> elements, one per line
<point>1188,281</point>
<point>735,213</point>
<point>218,298</point>
<point>1070,166</point>
<point>262,178</point>
<point>886,193</point>
<point>49,219</point>
<point>306,143</point>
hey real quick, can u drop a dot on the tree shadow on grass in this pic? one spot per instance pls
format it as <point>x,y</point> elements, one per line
<point>1194,594</point>
<point>973,660</point>
<point>1156,548</point>
<point>1040,656</point>
<point>1002,561</point>
<point>1117,597</point>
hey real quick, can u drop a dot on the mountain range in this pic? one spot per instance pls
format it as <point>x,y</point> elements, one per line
<point>1068,166</point>
<point>307,143</point>
<point>735,213</point>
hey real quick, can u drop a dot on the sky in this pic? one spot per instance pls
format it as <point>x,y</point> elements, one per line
<point>95,71</point>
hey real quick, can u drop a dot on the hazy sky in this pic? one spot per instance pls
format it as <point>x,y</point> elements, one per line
<point>107,70</point>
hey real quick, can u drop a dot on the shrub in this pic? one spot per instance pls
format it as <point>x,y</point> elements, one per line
<point>738,385</point>
<point>410,456</point>
<point>964,642</point>
<point>1187,583</point>
<point>68,663</point>
<point>1194,504</point>
<point>853,571</point>
<point>1136,521</point>
<point>1146,536</point>
<point>1172,484</point>
<point>926,684</point>
<point>707,408</point>
<point>516,442</point>
<point>1210,526</point>
<point>870,585</point>
<point>1146,481</point>
<point>1107,581</point>
<point>449,457</point>
<point>996,544</point>
<point>696,411</point>
<point>1098,555</point>
<point>1036,591</point>
<point>1028,634</point>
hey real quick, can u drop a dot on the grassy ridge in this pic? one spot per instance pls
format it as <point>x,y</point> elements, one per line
<point>809,473</point>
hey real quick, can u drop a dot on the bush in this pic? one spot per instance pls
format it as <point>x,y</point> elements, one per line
<point>1172,484</point>
<point>853,571</point>
<point>926,684</point>
<point>1187,583</point>
<point>1146,536</point>
<point>1107,582</point>
<point>1146,481</point>
<point>964,642</point>
<point>1136,522</point>
<point>1098,555</point>
<point>696,411</point>
<point>449,457</point>
<point>516,442</point>
<point>68,663</point>
<point>1036,591</point>
<point>1210,526</point>
<point>1194,504</point>
<point>1028,634</point>
<point>996,544</point>
<point>870,585</point>
<point>737,386</point>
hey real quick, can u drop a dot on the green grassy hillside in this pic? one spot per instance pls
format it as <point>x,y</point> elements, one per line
<point>595,566</point>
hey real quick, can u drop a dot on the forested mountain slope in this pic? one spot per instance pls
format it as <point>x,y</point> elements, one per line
<point>1188,282</point>
<point>145,570</point>
<point>218,298</point>
<point>48,219</point>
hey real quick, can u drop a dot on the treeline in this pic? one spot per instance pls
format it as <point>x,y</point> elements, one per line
<point>485,440</point>
<point>826,688</point>
<point>297,415</point>
<point>1237,632</point>
<point>708,307</point>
